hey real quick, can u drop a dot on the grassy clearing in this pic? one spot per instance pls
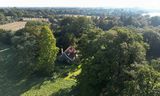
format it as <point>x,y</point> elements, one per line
<point>48,88</point>
<point>12,84</point>
<point>73,74</point>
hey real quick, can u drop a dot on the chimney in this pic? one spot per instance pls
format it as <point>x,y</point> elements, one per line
<point>61,50</point>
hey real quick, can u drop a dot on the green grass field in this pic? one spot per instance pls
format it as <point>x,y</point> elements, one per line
<point>13,84</point>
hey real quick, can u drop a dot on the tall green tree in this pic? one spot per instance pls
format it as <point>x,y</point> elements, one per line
<point>47,51</point>
<point>72,28</point>
<point>153,39</point>
<point>36,50</point>
<point>107,69</point>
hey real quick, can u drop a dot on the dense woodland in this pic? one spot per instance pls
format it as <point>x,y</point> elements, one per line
<point>118,50</point>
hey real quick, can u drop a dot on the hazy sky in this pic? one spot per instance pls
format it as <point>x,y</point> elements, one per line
<point>155,4</point>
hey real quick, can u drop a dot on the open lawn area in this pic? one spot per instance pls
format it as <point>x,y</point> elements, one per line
<point>13,84</point>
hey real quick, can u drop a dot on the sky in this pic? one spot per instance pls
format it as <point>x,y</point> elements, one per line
<point>150,4</point>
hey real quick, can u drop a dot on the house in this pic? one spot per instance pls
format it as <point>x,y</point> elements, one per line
<point>69,54</point>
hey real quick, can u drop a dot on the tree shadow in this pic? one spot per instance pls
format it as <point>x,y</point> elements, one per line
<point>63,92</point>
<point>11,82</point>
<point>67,92</point>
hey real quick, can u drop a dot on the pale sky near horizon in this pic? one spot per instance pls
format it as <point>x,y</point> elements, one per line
<point>150,4</point>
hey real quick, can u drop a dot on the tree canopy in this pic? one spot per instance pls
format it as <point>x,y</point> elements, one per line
<point>36,49</point>
<point>111,67</point>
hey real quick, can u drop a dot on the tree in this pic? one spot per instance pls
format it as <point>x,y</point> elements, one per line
<point>5,36</point>
<point>153,39</point>
<point>72,28</point>
<point>146,81</point>
<point>87,42</point>
<point>155,21</point>
<point>75,25</point>
<point>2,18</point>
<point>107,23</point>
<point>106,70</point>
<point>25,44</point>
<point>47,51</point>
<point>36,23</point>
<point>36,50</point>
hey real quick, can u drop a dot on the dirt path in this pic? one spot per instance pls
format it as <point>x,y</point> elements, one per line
<point>4,50</point>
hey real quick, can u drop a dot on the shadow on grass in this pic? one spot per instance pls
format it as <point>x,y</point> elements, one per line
<point>11,82</point>
<point>65,92</point>
<point>73,91</point>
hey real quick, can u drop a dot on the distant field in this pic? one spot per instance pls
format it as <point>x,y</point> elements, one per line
<point>13,26</point>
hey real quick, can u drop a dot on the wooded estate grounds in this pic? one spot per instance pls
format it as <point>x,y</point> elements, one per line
<point>79,52</point>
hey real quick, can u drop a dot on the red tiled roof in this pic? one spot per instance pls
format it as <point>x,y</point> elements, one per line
<point>70,52</point>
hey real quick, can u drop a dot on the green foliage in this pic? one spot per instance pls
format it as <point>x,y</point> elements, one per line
<point>13,84</point>
<point>25,44</point>
<point>155,21</point>
<point>153,39</point>
<point>156,64</point>
<point>67,40</point>
<point>5,36</point>
<point>107,23</point>
<point>72,28</point>
<point>36,23</point>
<point>146,81</point>
<point>36,49</point>
<point>47,51</point>
<point>87,42</point>
<point>2,18</point>
<point>113,62</point>
<point>105,67</point>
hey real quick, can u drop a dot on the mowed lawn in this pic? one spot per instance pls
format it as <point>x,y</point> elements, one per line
<point>12,84</point>
<point>13,26</point>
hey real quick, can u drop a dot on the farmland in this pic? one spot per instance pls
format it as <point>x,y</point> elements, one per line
<point>13,26</point>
